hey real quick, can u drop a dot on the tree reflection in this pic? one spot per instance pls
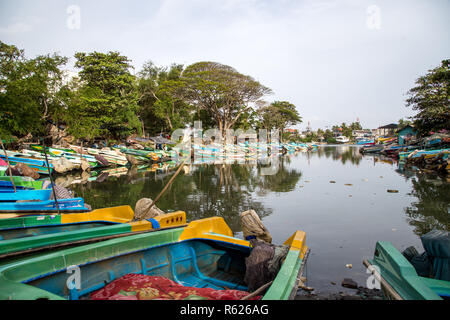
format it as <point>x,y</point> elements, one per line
<point>431,211</point>
<point>223,190</point>
<point>340,153</point>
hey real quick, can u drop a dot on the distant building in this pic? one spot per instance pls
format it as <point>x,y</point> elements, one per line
<point>387,130</point>
<point>406,133</point>
<point>292,131</point>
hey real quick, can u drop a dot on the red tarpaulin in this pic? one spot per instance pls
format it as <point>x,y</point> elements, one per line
<point>143,287</point>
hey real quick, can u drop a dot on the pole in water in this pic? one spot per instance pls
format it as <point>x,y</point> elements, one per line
<point>50,175</point>
<point>167,186</point>
<point>9,166</point>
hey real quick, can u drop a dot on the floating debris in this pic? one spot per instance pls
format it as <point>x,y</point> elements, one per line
<point>349,184</point>
<point>332,181</point>
<point>349,283</point>
<point>392,191</point>
<point>349,265</point>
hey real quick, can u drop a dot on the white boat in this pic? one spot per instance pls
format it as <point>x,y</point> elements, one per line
<point>342,139</point>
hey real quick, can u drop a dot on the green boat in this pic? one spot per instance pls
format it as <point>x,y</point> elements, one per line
<point>35,233</point>
<point>400,280</point>
<point>25,182</point>
<point>203,254</point>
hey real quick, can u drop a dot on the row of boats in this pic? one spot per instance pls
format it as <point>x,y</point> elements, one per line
<point>429,146</point>
<point>42,239</point>
<point>42,250</point>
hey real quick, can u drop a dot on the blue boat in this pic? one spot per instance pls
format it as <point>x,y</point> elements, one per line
<point>38,201</point>
<point>39,166</point>
<point>29,195</point>
<point>45,207</point>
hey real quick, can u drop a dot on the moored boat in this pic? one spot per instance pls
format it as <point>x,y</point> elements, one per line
<point>400,280</point>
<point>203,254</point>
<point>33,233</point>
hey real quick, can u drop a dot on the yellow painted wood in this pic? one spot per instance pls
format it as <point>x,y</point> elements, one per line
<point>168,220</point>
<point>297,242</point>
<point>171,219</point>
<point>122,214</point>
<point>197,228</point>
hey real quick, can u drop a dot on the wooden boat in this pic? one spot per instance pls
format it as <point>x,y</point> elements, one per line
<point>398,278</point>
<point>33,233</point>
<point>25,182</point>
<point>39,166</point>
<point>203,254</point>
<point>44,207</point>
<point>37,201</point>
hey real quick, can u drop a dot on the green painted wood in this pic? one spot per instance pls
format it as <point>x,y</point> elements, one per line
<point>400,274</point>
<point>20,181</point>
<point>286,280</point>
<point>14,273</point>
<point>21,244</point>
<point>29,221</point>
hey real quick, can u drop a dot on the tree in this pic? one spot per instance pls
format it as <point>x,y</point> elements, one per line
<point>105,103</point>
<point>279,115</point>
<point>431,98</point>
<point>222,91</point>
<point>160,97</point>
<point>29,91</point>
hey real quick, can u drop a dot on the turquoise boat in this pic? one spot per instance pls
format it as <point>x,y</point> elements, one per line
<point>39,166</point>
<point>400,280</point>
<point>203,254</point>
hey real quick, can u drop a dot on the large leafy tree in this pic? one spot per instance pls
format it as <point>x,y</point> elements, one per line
<point>106,98</point>
<point>30,94</point>
<point>221,91</point>
<point>280,115</point>
<point>160,98</point>
<point>431,98</point>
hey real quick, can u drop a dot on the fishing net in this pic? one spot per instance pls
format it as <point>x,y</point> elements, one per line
<point>252,227</point>
<point>263,263</point>
<point>143,287</point>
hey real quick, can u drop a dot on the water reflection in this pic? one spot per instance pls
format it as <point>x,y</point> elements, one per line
<point>223,190</point>
<point>432,208</point>
<point>340,153</point>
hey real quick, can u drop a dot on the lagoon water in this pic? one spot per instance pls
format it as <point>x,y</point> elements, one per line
<point>342,220</point>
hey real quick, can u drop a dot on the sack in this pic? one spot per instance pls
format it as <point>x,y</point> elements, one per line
<point>142,211</point>
<point>252,227</point>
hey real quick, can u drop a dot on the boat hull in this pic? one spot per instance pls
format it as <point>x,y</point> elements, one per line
<point>398,278</point>
<point>203,254</point>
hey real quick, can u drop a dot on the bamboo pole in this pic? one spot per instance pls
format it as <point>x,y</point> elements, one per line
<point>9,166</point>
<point>167,185</point>
<point>50,175</point>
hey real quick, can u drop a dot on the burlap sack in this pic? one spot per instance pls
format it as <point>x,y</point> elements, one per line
<point>142,211</point>
<point>252,226</point>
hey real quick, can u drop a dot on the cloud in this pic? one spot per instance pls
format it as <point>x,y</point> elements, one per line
<point>19,26</point>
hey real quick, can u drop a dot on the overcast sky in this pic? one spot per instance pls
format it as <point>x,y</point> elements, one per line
<point>336,60</point>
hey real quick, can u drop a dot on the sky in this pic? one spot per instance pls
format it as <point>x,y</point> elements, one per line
<point>336,60</point>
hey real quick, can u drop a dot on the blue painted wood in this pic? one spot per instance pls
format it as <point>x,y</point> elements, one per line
<point>41,195</point>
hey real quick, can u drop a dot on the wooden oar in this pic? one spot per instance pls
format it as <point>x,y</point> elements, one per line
<point>167,185</point>
<point>9,166</point>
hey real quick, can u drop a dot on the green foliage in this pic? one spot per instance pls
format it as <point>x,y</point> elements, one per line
<point>431,98</point>
<point>279,115</point>
<point>161,105</point>
<point>29,91</point>
<point>106,101</point>
<point>221,91</point>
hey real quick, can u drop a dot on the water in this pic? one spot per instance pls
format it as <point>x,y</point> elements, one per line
<point>342,220</point>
